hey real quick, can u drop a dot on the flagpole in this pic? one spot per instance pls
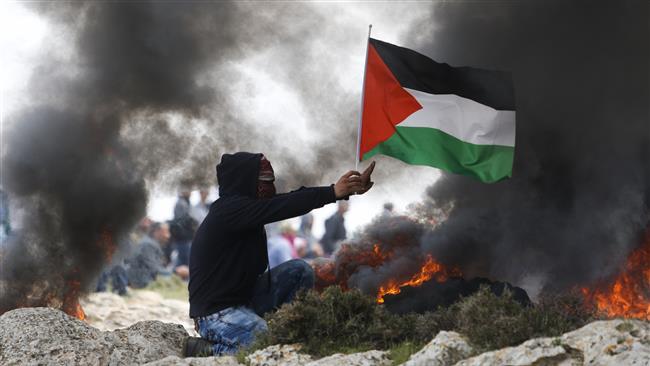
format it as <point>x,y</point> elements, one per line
<point>363,88</point>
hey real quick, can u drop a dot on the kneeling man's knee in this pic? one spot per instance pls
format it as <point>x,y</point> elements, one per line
<point>305,273</point>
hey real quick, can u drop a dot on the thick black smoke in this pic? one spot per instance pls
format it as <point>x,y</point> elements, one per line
<point>75,201</point>
<point>80,184</point>
<point>578,201</point>
<point>579,198</point>
<point>142,95</point>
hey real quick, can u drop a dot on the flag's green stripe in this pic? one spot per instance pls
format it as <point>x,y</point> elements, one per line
<point>432,147</point>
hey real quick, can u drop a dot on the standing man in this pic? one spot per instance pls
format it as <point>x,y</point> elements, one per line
<point>335,229</point>
<point>200,210</point>
<point>230,287</point>
<point>5,223</point>
<point>387,211</point>
<point>182,229</point>
<point>313,249</point>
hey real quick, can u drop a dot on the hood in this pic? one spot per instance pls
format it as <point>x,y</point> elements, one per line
<point>237,174</point>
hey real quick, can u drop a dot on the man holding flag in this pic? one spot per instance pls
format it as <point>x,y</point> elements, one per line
<point>231,283</point>
<point>414,109</point>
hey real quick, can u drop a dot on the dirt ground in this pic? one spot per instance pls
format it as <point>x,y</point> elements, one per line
<point>108,311</point>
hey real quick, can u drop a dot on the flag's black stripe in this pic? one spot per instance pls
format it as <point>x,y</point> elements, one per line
<point>416,71</point>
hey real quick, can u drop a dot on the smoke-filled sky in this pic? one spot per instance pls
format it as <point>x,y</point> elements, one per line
<point>112,100</point>
<point>283,79</point>
<point>579,199</point>
<point>104,102</point>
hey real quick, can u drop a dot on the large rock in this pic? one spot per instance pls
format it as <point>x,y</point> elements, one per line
<point>282,355</point>
<point>289,355</point>
<point>49,336</point>
<point>285,355</point>
<point>147,341</point>
<point>369,358</point>
<point>446,348</point>
<point>612,342</point>
<point>196,361</point>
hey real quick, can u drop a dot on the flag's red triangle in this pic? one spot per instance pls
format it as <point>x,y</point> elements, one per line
<point>385,103</point>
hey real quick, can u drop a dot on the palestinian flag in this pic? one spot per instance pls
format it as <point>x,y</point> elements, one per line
<point>459,119</point>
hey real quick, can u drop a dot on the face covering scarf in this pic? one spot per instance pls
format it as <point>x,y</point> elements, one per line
<point>265,186</point>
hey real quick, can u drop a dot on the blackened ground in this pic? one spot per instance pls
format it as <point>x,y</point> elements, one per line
<point>432,294</point>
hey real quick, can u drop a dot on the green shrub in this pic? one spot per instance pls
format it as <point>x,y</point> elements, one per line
<point>492,322</point>
<point>563,313</point>
<point>344,321</point>
<point>348,321</point>
<point>401,352</point>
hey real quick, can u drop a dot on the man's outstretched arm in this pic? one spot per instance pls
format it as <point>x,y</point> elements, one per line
<point>242,212</point>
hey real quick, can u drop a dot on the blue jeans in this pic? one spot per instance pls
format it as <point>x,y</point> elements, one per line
<point>235,327</point>
<point>117,274</point>
<point>182,249</point>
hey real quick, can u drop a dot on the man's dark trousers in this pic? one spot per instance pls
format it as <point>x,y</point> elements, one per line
<point>235,327</point>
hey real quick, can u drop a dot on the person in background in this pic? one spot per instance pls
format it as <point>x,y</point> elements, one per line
<point>200,210</point>
<point>116,273</point>
<point>182,228</point>
<point>300,245</point>
<point>335,229</point>
<point>279,248</point>
<point>146,263</point>
<point>312,247</point>
<point>5,223</point>
<point>119,280</point>
<point>289,233</point>
<point>387,211</point>
<point>141,230</point>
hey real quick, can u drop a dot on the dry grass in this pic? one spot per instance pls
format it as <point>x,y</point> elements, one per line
<point>492,322</point>
<point>170,287</point>
<point>337,321</point>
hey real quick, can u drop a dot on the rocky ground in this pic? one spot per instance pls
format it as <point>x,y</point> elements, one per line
<point>43,336</point>
<point>108,311</point>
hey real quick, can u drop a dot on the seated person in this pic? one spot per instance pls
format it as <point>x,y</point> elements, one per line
<point>230,287</point>
<point>146,261</point>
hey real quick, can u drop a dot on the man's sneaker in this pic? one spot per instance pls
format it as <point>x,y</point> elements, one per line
<point>197,347</point>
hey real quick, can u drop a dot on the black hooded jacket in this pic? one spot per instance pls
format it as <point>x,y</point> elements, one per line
<point>229,248</point>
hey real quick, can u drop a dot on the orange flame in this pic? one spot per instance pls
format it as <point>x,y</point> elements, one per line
<point>325,273</point>
<point>65,297</point>
<point>377,252</point>
<point>71,304</point>
<point>350,257</point>
<point>628,295</point>
<point>430,269</point>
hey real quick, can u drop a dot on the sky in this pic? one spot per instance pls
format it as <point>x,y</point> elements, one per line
<point>261,92</point>
<point>284,78</point>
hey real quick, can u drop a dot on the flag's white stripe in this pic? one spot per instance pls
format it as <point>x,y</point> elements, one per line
<point>463,118</point>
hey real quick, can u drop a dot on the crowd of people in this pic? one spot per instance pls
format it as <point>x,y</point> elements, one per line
<point>162,248</point>
<point>157,248</point>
